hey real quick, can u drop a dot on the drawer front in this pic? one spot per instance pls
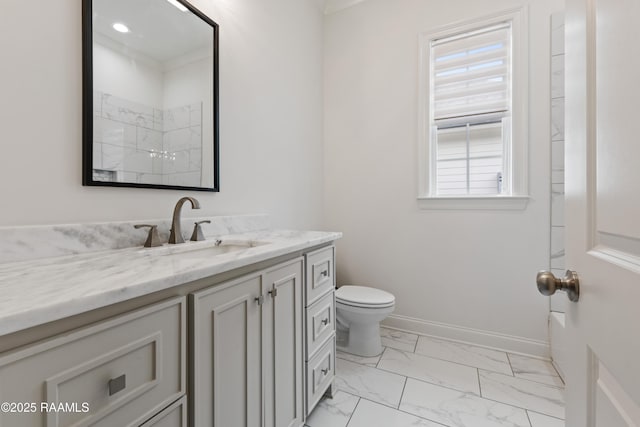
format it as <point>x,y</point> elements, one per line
<point>320,373</point>
<point>320,273</point>
<point>175,415</point>
<point>320,323</point>
<point>117,372</point>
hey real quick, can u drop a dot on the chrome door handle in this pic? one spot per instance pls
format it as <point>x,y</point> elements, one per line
<point>548,284</point>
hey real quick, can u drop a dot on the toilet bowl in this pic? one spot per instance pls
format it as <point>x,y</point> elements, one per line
<point>359,311</point>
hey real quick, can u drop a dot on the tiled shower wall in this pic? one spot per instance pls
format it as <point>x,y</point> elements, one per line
<point>138,143</point>
<point>558,301</point>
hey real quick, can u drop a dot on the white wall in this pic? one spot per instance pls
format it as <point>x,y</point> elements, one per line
<point>468,275</point>
<point>115,75</point>
<point>270,110</point>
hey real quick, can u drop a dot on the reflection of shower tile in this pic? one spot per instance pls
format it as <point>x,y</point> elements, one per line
<point>158,119</point>
<point>190,179</point>
<point>148,178</point>
<point>138,161</point>
<point>149,139</point>
<point>97,155</point>
<point>557,119</point>
<point>181,139</point>
<point>176,118</point>
<point>195,160</point>
<point>127,177</point>
<point>178,162</point>
<point>97,103</point>
<point>157,165</point>
<point>195,114</point>
<point>113,132</point>
<point>125,111</point>
<point>113,156</point>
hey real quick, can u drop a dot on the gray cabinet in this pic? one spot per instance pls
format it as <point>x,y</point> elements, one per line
<point>247,355</point>
<point>320,314</point>
<point>121,371</point>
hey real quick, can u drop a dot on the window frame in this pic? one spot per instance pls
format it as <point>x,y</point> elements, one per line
<point>516,162</point>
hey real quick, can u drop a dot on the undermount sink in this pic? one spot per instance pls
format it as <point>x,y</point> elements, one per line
<point>210,249</point>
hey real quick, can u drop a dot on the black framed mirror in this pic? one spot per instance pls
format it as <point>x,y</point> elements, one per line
<point>150,95</point>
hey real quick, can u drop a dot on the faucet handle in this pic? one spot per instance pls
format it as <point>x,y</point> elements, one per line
<point>197,235</point>
<point>153,239</point>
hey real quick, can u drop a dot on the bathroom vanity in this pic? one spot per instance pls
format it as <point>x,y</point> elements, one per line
<point>239,332</point>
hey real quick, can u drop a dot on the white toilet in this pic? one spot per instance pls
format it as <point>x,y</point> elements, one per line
<point>359,311</point>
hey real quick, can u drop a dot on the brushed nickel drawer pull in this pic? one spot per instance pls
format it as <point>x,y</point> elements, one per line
<point>274,292</point>
<point>117,384</point>
<point>260,300</point>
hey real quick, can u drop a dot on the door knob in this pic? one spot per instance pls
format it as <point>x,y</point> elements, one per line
<point>548,284</point>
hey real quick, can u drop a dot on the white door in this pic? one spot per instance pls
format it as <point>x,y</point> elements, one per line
<point>603,211</point>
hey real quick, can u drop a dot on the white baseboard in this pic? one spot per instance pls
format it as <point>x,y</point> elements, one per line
<point>509,343</point>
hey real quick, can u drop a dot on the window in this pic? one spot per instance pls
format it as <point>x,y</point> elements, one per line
<point>474,114</point>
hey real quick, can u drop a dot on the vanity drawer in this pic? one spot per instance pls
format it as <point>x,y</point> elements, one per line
<point>118,372</point>
<point>320,323</point>
<point>320,273</point>
<point>320,373</point>
<point>175,415</point>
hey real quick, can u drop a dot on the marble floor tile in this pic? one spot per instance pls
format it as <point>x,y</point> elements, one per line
<point>334,412</point>
<point>458,409</point>
<point>539,420</point>
<point>370,414</point>
<point>465,354</point>
<point>523,393</point>
<point>369,361</point>
<point>397,339</point>
<point>541,371</point>
<point>370,383</point>
<point>428,369</point>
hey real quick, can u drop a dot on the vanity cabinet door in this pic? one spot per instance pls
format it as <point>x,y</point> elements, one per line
<point>283,345</point>
<point>226,372</point>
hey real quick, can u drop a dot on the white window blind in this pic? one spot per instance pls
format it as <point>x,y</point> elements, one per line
<point>471,103</point>
<point>471,73</point>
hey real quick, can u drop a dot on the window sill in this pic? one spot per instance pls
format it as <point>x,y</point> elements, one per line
<point>473,203</point>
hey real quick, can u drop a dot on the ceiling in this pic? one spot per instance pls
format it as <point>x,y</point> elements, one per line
<point>157,28</point>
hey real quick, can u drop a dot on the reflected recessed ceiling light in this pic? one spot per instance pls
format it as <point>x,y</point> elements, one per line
<point>121,28</point>
<point>179,5</point>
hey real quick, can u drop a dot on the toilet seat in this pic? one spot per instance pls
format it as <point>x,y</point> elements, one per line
<point>364,297</point>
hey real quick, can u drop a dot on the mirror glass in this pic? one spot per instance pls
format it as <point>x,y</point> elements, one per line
<point>150,95</point>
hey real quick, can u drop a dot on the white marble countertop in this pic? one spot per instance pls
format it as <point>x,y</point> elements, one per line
<point>40,291</point>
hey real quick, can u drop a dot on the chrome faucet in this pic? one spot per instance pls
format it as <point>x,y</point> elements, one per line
<point>176,230</point>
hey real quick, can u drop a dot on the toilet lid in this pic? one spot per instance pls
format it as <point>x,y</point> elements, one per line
<point>363,296</point>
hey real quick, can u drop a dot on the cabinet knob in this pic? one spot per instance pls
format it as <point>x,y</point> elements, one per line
<point>325,321</point>
<point>117,384</point>
<point>325,371</point>
<point>260,300</point>
<point>273,292</point>
<point>324,273</point>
